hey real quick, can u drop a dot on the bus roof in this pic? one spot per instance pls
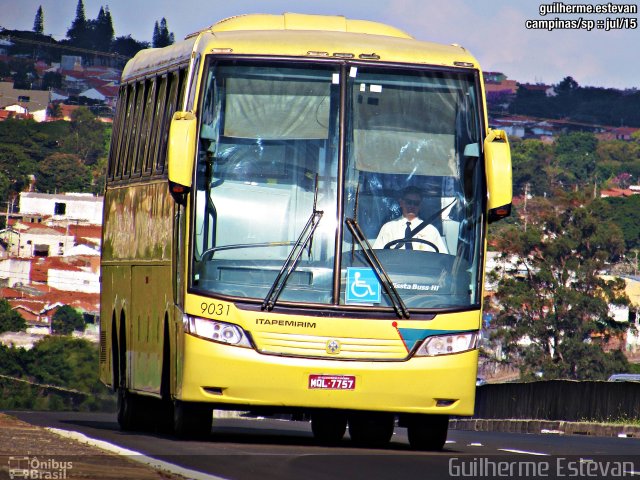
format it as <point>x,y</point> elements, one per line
<point>301,35</point>
<point>296,21</point>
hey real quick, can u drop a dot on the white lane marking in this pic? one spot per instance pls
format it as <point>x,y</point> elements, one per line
<point>523,452</point>
<point>474,445</point>
<point>135,456</point>
<point>450,441</point>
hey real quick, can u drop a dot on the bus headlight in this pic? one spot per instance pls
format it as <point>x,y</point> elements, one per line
<point>448,344</point>
<point>217,331</point>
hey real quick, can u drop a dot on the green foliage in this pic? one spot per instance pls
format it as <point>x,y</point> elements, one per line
<point>575,155</point>
<point>625,212</point>
<point>64,362</point>
<point>23,72</point>
<point>66,320</point>
<point>161,35</point>
<point>5,71</point>
<point>86,136</point>
<point>63,172</point>
<point>559,302</point>
<point>599,106</point>
<point>31,148</point>
<point>15,166</point>
<point>38,22</point>
<point>532,162</point>
<point>10,320</point>
<point>79,33</point>
<point>51,80</point>
<point>128,46</point>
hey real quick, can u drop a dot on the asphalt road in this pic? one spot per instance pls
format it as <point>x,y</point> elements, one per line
<point>240,449</point>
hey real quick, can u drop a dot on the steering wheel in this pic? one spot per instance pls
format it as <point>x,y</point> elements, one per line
<point>411,240</point>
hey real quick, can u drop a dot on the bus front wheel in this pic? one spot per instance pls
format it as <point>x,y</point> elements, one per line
<point>371,429</point>
<point>328,428</point>
<point>427,432</point>
<point>192,420</point>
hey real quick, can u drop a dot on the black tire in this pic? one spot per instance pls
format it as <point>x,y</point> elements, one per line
<point>192,420</point>
<point>129,410</point>
<point>328,428</point>
<point>371,430</point>
<point>427,432</point>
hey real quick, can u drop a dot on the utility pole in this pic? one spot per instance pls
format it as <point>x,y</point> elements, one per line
<point>526,197</point>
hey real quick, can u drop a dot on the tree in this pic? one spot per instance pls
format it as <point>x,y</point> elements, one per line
<point>51,80</point>
<point>79,32</point>
<point>86,138</point>
<point>101,30</point>
<point>54,110</point>
<point>567,86</point>
<point>66,320</point>
<point>576,156</point>
<point>23,72</point>
<point>530,158</point>
<point>63,172</point>
<point>553,311</point>
<point>625,212</point>
<point>15,166</point>
<point>128,46</point>
<point>38,22</point>
<point>161,35</point>
<point>10,320</point>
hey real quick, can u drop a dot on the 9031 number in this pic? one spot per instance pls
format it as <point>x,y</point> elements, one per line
<point>214,308</point>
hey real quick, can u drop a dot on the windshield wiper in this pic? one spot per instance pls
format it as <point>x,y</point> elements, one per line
<point>373,260</point>
<point>304,239</point>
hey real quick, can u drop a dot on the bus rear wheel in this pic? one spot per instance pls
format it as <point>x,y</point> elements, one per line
<point>328,428</point>
<point>427,432</point>
<point>129,411</point>
<point>192,420</point>
<point>372,430</point>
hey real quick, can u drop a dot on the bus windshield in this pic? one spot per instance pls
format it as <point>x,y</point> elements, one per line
<point>407,176</point>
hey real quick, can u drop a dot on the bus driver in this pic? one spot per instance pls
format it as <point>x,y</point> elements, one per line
<point>405,227</point>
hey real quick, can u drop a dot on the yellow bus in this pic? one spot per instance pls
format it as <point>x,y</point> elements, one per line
<point>295,221</point>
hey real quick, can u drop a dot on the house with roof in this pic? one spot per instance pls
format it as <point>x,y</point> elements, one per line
<point>14,272</point>
<point>38,240</point>
<point>620,192</point>
<point>618,133</point>
<point>81,208</point>
<point>32,103</point>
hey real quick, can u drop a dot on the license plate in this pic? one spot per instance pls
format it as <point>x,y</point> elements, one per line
<point>332,382</point>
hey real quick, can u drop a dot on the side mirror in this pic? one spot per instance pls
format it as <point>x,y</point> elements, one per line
<point>497,158</point>
<point>181,151</point>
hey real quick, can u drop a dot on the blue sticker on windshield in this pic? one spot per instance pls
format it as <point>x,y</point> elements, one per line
<point>362,286</point>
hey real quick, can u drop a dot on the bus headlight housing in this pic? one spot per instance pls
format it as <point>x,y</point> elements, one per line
<point>216,331</point>
<point>448,344</point>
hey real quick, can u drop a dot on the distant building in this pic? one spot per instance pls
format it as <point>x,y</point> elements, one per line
<point>31,103</point>
<point>37,240</point>
<point>71,62</point>
<point>74,207</point>
<point>620,192</point>
<point>618,133</point>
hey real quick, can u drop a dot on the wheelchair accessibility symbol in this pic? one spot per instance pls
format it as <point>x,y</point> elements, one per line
<point>362,286</point>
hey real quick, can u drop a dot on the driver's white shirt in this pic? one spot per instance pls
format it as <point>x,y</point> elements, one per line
<point>395,229</point>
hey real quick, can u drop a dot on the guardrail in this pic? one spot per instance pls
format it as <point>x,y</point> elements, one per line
<point>559,400</point>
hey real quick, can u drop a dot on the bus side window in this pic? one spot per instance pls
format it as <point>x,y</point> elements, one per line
<point>129,131</point>
<point>172,103</point>
<point>158,126</point>
<point>133,166</point>
<point>117,132</point>
<point>124,130</point>
<point>145,131</point>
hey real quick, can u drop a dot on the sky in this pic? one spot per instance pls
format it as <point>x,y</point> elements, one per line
<point>494,31</point>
